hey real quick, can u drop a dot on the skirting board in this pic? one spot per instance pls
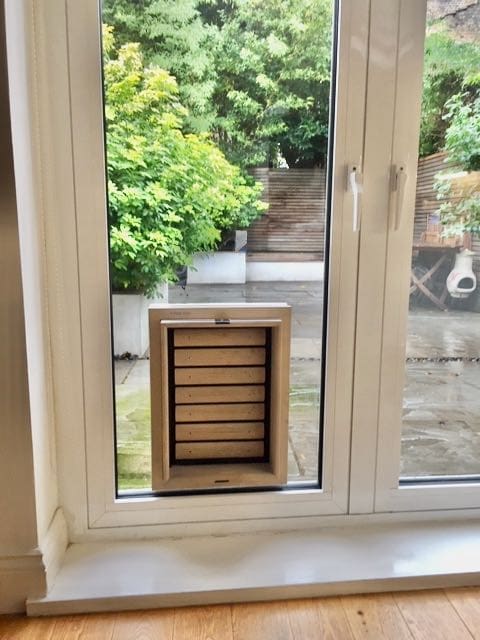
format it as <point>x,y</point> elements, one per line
<point>54,546</point>
<point>20,577</point>
<point>262,566</point>
<point>32,575</point>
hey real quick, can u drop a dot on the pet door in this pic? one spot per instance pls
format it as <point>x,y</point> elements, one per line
<point>219,395</point>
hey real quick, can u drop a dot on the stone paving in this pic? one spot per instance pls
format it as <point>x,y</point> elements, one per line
<point>441,427</point>
<point>441,417</point>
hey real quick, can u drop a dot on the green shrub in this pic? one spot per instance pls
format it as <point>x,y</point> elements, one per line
<point>460,205</point>
<point>170,194</point>
<point>451,66</point>
<point>273,81</point>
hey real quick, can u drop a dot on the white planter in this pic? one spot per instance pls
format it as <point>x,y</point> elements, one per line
<point>285,271</point>
<point>219,267</point>
<point>130,321</point>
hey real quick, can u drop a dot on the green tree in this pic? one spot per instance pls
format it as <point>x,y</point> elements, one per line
<point>255,73</point>
<point>174,37</point>
<point>170,193</point>
<point>460,197</point>
<point>451,66</point>
<point>462,137</point>
<point>273,79</point>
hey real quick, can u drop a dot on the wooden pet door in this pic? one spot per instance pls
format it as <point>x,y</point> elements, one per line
<point>219,395</point>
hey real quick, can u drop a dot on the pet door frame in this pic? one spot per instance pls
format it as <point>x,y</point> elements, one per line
<point>165,321</point>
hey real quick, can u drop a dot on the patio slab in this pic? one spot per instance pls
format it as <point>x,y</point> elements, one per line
<point>441,428</point>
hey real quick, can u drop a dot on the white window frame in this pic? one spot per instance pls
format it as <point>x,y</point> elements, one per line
<point>69,66</point>
<point>68,101</point>
<point>389,495</point>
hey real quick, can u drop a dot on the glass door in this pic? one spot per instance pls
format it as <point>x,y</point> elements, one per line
<point>429,424</point>
<point>219,144</point>
<point>176,196</point>
<point>441,406</point>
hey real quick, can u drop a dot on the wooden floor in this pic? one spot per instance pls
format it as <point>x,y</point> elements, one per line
<point>450,614</point>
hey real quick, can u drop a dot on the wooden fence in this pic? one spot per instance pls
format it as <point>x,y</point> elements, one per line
<point>426,202</point>
<point>295,221</point>
<point>293,228</point>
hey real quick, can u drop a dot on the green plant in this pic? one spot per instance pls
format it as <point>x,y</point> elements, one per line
<point>460,193</point>
<point>254,73</point>
<point>172,36</point>
<point>451,66</point>
<point>273,80</point>
<point>462,216</point>
<point>462,137</point>
<point>170,194</point>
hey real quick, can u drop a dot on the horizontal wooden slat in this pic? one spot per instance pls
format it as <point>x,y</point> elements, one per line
<point>220,357</point>
<point>295,220</point>
<point>426,202</point>
<point>219,412</point>
<point>222,393</point>
<point>212,450</point>
<point>220,431</point>
<point>284,256</point>
<point>226,375</point>
<point>219,337</point>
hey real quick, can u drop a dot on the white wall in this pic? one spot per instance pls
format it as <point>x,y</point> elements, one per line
<point>30,221</point>
<point>32,531</point>
<point>21,570</point>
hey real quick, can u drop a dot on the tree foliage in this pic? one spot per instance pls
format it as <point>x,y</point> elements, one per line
<point>170,193</point>
<point>462,137</point>
<point>174,37</point>
<point>451,66</point>
<point>451,123</point>
<point>255,73</point>
<point>273,80</point>
<point>460,198</point>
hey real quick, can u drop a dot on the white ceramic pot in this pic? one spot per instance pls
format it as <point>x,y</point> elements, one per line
<point>461,281</point>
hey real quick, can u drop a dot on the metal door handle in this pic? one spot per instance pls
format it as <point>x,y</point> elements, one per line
<point>397,188</point>
<point>355,185</point>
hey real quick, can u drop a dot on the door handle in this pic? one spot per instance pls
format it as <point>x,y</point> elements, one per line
<point>355,185</point>
<point>398,178</point>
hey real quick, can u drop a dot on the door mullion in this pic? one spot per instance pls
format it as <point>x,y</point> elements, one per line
<point>342,280</point>
<point>399,246</point>
<point>379,122</point>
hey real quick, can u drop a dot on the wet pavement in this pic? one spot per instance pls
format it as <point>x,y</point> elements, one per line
<point>441,410</point>
<point>441,425</point>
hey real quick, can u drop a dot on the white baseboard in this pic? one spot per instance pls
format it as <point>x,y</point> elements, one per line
<point>54,546</point>
<point>32,575</point>
<point>20,577</point>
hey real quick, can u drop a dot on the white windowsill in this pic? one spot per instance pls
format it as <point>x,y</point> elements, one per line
<point>146,574</point>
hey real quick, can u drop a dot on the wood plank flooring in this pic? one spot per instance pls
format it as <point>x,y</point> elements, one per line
<point>446,614</point>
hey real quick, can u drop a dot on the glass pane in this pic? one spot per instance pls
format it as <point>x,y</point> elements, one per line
<point>441,420</point>
<point>217,117</point>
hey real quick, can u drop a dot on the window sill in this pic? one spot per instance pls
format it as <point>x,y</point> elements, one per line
<point>205,570</point>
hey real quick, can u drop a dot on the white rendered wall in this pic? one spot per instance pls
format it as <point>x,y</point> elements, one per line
<point>220,267</point>
<point>285,271</point>
<point>31,233</point>
<point>130,321</point>
<point>21,568</point>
